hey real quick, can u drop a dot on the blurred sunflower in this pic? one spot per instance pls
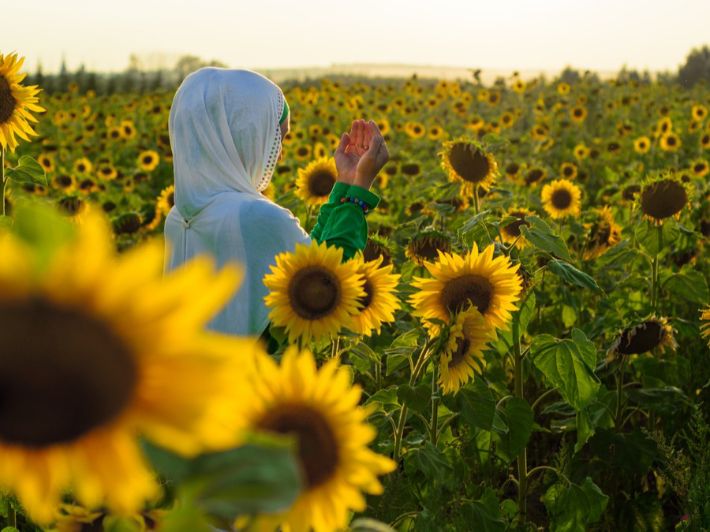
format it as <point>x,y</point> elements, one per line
<point>568,170</point>
<point>99,349</point>
<point>46,161</point>
<point>165,200</point>
<point>642,145</point>
<point>380,301</point>
<point>535,175</point>
<point>581,152</point>
<point>663,195</point>
<point>320,409</point>
<point>466,160</point>
<point>148,160</point>
<point>699,112</point>
<point>463,354</point>
<point>316,180</point>
<point>604,233</point>
<point>561,198</point>
<point>700,168</point>
<point>490,284</point>
<point>312,293</point>
<point>64,182</point>
<point>425,246</point>
<point>670,142</point>
<point>107,172</point>
<point>83,166</point>
<point>510,232</point>
<point>578,114</point>
<point>16,102</point>
<point>414,130</point>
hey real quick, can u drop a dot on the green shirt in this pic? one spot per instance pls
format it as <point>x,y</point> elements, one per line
<point>341,224</point>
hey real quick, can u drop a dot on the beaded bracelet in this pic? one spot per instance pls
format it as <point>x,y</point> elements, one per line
<point>360,203</point>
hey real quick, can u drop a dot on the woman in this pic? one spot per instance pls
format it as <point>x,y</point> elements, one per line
<point>226,133</point>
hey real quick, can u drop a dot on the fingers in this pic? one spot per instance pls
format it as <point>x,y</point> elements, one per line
<point>356,133</point>
<point>344,143</point>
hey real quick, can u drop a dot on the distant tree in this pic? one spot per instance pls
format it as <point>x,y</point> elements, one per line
<point>696,68</point>
<point>570,75</point>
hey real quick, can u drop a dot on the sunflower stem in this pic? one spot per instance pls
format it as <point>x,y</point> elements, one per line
<point>619,388</point>
<point>654,277</point>
<point>475,199</point>
<point>434,405</point>
<point>518,392</point>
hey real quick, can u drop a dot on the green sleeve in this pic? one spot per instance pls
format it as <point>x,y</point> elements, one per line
<point>339,191</point>
<point>346,226</point>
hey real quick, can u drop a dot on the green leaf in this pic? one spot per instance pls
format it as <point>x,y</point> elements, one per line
<point>5,222</point>
<point>540,235</point>
<point>599,413</point>
<point>568,365</point>
<point>115,523</point>
<point>518,416</point>
<point>572,275</point>
<point>9,529</point>
<point>648,236</point>
<point>417,397</point>
<point>573,507</point>
<point>366,524</point>
<point>484,513</point>
<point>691,286</point>
<point>185,517</point>
<point>27,171</point>
<point>430,461</point>
<point>384,398</point>
<point>477,405</point>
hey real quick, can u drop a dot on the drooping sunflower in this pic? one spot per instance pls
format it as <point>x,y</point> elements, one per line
<point>320,409</point>
<point>17,102</point>
<point>380,301</point>
<point>467,161</point>
<point>377,247</point>
<point>99,350</point>
<point>425,246</point>
<point>463,354</point>
<point>510,232</point>
<point>653,333</point>
<point>561,198</point>
<point>316,180</point>
<point>662,195</point>
<point>148,160</point>
<point>604,233</point>
<point>490,284</point>
<point>166,200</point>
<point>312,293</point>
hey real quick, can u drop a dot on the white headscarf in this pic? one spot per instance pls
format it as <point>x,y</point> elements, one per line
<point>226,140</point>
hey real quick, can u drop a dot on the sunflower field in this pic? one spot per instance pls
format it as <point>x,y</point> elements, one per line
<point>523,344</point>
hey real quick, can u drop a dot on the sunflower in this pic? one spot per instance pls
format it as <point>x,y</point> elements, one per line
<point>16,102</point>
<point>320,409</point>
<point>535,175</point>
<point>491,285</point>
<point>581,152</point>
<point>380,301</point>
<point>107,172</point>
<point>699,112</point>
<point>561,198</point>
<point>463,354</point>
<point>568,170</point>
<point>563,88</point>
<point>64,182</point>
<point>316,180</point>
<point>642,145</point>
<point>83,166</point>
<point>46,161</point>
<point>99,349</point>
<point>578,114</point>
<point>377,248</point>
<point>670,142</point>
<point>312,293</point>
<point>73,207</point>
<point>510,232</point>
<point>662,196</point>
<point>700,168</point>
<point>705,326</point>
<point>646,336</point>
<point>604,233</point>
<point>148,160</point>
<point>425,246</point>
<point>436,132</point>
<point>466,160</point>
<point>165,200</point>
<point>414,130</point>
<point>128,129</point>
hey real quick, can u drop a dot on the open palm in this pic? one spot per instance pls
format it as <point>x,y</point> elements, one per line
<point>361,154</point>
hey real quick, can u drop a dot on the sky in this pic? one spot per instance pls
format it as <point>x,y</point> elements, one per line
<point>600,35</point>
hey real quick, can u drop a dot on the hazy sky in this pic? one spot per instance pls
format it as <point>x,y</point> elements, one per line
<point>501,34</point>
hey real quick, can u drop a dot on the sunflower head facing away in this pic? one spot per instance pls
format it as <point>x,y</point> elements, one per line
<point>425,246</point>
<point>463,354</point>
<point>16,102</point>
<point>561,198</point>
<point>316,180</point>
<point>312,293</point>
<point>380,301</point>
<point>510,232</point>
<point>604,233</point>
<point>653,333</point>
<point>320,409</point>
<point>99,350</point>
<point>466,160</point>
<point>476,278</point>
<point>663,195</point>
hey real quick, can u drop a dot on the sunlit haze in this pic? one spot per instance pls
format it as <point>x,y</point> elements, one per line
<point>601,35</point>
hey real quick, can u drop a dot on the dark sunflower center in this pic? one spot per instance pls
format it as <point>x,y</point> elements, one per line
<point>663,199</point>
<point>533,176</point>
<point>601,235</point>
<point>70,205</point>
<point>460,292</point>
<point>147,159</point>
<point>699,168</point>
<point>320,183</point>
<point>171,199</point>
<point>64,181</point>
<point>462,345</point>
<point>314,292</point>
<point>317,445</point>
<point>641,338</point>
<point>671,140</point>
<point>469,162</point>
<point>62,374</point>
<point>7,101</point>
<point>373,250</point>
<point>427,248</point>
<point>561,198</point>
<point>513,228</point>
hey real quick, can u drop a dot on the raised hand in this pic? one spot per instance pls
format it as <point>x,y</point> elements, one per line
<point>374,154</point>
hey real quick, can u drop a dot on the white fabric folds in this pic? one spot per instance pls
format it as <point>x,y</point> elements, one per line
<point>226,139</point>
